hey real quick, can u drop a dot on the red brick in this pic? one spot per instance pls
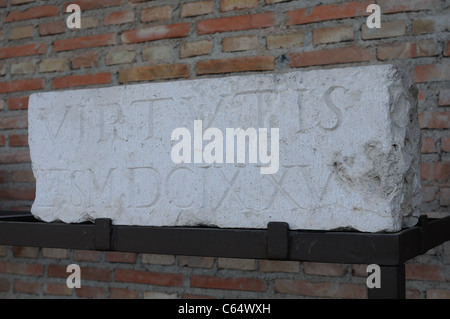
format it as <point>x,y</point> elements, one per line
<point>19,2</point>
<point>241,43</point>
<point>23,176</point>
<point>25,67</point>
<point>388,29</point>
<point>4,284</point>
<point>26,252</point>
<point>18,103</point>
<point>438,294</point>
<point>154,72</point>
<point>236,23</point>
<point>333,34</point>
<point>284,41</point>
<point>428,145</point>
<point>158,259</point>
<point>321,289</point>
<point>159,295</point>
<point>258,63</point>
<point>153,33</point>
<point>18,140</point>
<point>426,170</point>
<point>87,255</point>
<point>394,6</point>
<point>119,17</point>
<point>17,194</point>
<point>429,193</point>
<point>2,140</point>
<point>50,28</point>
<point>434,120</point>
<point>244,284</point>
<point>123,293</point>
<point>190,49</point>
<point>441,171</point>
<point>192,296</point>
<point>444,98</point>
<point>236,263</point>
<point>227,5</point>
<point>24,50</point>
<point>120,57</point>
<point>13,122</point>
<point>55,253</point>
<point>324,269</point>
<point>333,56</point>
<point>445,144</point>
<point>87,273</point>
<point>279,266</point>
<point>57,289</point>
<point>120,257</point>
<point>156,14</point>
<point>15,157</point>
<point>447,49</point>
<point>21,85</point>
<point>149,278</point>
<point>21,269</point>
<point>359,270</point>
<point>328,12</point>
<point>444,196</point>
<point>33,13</point>
<point>195,261</point>
<point>420,26</point>
<point>89,22</point>
<point>90,41</point>
<point>21,32</point>
<point>432,72</point>
<point>26,287</point>
<point>81,80</point>
<point>423,272</point>
<point>408,50</point>
<point>421,96</point>
<point>412,294</point>
<point>86,60</point>
<point>97,4</point>
<point>3,178</point>
<point>192,9</point>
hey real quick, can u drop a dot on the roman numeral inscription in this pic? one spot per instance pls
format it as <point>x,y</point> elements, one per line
<point>345,140</point>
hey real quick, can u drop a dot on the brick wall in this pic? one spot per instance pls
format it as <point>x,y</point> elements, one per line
<point>138,41</point>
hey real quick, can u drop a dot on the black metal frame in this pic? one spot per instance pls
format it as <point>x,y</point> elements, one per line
<point>388,250</point>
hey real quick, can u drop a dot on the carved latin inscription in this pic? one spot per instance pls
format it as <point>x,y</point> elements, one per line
<point>107,152</point>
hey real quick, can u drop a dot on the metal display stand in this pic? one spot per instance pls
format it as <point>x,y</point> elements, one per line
<point>388,250</point>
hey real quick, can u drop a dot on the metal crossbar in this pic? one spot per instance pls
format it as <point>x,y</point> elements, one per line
<point>388,250</point>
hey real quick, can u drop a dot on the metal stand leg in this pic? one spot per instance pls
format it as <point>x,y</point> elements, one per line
<point>392,283</point>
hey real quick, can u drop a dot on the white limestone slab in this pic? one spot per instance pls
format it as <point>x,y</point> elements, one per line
<point>348,152</point>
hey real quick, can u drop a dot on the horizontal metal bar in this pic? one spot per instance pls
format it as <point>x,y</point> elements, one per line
<point>303,245</point>
<point>438,232</point>
<point>54,235</point>
<point>214,242</point>
<point>16,216</point>
<point>345,247</point>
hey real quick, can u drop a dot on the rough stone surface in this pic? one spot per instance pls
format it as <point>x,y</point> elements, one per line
<point>348,150</point>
